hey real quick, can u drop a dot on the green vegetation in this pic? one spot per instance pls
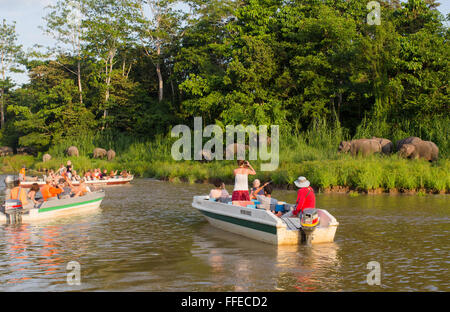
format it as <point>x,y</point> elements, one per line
<point>315,158</point>
<point>119,79</point>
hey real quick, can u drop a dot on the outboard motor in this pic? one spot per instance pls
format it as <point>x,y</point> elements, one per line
<point>12,208</point>
<point>309,221</point>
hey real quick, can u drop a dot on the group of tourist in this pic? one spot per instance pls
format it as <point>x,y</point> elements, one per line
<point>90,175</point>
<point>262,193</point>
<point>53,188</point>
<point>58,184</point>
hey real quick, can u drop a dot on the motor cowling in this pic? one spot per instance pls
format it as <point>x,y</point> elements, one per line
<point>309,222</point>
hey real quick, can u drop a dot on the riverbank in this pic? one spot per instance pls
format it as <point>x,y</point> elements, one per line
<point>373,175</point>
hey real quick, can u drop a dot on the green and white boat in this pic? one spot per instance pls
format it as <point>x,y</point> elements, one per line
<point>263,225</point>
<point>57,208</point>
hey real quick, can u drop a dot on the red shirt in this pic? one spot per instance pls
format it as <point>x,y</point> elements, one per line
<point>304,201</point>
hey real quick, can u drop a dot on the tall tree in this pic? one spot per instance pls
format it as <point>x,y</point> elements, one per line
<point>158,24</point>
<point>108,29</point>
<point>10,53</point>
<point>64,24</point>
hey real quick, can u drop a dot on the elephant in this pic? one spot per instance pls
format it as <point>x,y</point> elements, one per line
<point>26,150</point>
<point>204,155</point>
<point>46,157</point>
<point>72,151</point>
<point>408,140</point>
<point>387,147</point>
<point>99,152</point>
<point>364,147</point>
<point>6,151</point>
<point>233,148</point>
<point>110,154</point>
<point>420,149</point>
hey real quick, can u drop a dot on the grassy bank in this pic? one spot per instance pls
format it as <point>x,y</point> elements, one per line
<point>312,154</point>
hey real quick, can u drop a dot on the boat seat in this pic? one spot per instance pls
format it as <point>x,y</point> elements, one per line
<point>291,223</point>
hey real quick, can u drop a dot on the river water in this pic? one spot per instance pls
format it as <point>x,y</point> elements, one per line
<point>147,237</point>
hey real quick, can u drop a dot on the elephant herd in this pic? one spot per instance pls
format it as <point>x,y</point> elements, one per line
<point>8,151</point>
<point>72,151</point>
<point>411,147</point>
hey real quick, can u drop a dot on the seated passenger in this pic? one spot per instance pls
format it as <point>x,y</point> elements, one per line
<point>256,185</point>
<point>66,189</point>
<point>113,174</point>
<point>50,190</point>
<point>266,200</point>
<point>82,189</point>
<point>219,193</point>
<point>124,174</point>
<point>35,194</point>
<point>19,193</point>
<point>75,176</point>
<point>105,175</point>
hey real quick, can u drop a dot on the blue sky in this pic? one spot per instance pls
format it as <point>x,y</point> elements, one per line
<point>28,16</point>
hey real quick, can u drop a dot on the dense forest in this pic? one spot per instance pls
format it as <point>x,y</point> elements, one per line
<point>139,67</point>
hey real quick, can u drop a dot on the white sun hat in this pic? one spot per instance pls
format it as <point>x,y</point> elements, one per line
<point>301,182</point>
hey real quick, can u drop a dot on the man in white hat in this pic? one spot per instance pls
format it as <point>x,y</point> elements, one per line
<point>305,196</point>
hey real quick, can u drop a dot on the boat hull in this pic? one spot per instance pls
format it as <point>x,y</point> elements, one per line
<point>62,207</point>
<point>263,225</point>
<point>109,182</point>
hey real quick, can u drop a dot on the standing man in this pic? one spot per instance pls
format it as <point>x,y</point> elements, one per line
<point>305,197</point>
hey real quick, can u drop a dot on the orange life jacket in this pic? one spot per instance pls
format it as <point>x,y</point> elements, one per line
<point>23,195</point>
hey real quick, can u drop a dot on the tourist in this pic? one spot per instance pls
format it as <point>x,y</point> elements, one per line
<point>305,197</point>
<point>82,189</point>
<point>69,169</point>
<point>61,169</point>
<point>113,174</point>
<point>49,191</point>
<point>219,193</point>
<point>267,201</point>
<point>240,192</point>
<point>19,193</point>
<point>66,190</point>
<point>35,194</point>
<point>75,176</point>
<point>256,185</point>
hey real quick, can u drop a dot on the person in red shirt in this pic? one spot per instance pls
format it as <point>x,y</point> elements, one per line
<point>305,196</point>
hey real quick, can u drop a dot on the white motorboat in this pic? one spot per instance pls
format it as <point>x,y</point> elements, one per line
<point>106,182</point>
<point>54,208</point>
<point>263,225</point>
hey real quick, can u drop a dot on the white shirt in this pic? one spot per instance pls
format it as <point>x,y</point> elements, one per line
<point>241,182</point>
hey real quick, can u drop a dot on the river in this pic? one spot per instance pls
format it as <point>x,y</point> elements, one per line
<point>147,237</point>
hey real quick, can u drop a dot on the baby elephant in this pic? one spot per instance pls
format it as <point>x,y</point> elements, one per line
<point>423,149</point>
<point>387,147</point>
<point>99,152</point>
<point>46,157</point>
<point>72,151</point>
<point>364,147</point>
<point>110,154</point>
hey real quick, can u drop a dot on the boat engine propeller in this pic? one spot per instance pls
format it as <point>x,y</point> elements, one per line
<point>309,222</point>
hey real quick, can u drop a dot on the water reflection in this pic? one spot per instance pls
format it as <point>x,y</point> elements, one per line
<point>38,253</point>
<point>147,237</point>
<point>239,263</point>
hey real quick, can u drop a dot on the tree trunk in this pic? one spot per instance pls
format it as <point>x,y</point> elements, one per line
<point>2,93</point>
<point>2,105</point>
<point>80,89</point>
<point>158,72</point>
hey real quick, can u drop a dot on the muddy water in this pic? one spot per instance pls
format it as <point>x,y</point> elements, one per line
<point>147,237</point>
